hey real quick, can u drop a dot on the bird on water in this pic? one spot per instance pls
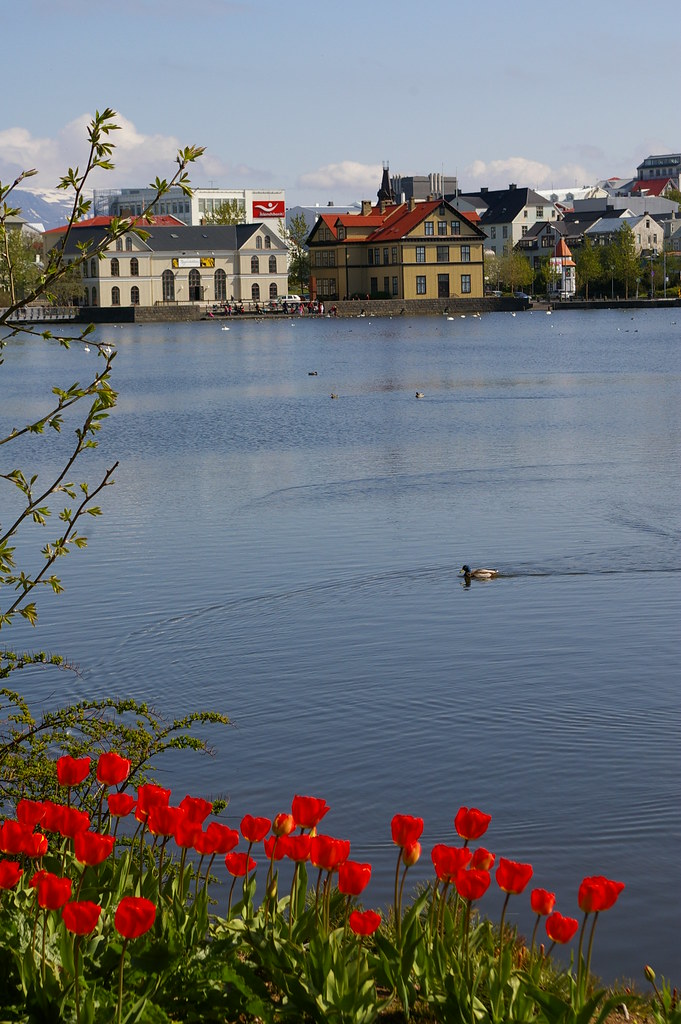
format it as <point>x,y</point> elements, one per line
<point>477,574</point>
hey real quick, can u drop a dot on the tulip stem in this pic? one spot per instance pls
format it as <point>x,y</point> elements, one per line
<point>119,1009</point>
<point>588,952</point>
<point>398,915</point>
<point>534,932</point>
<point>76,951</point>
<point>501,929</point>
<point>580,962</point>
<point>292,900</point>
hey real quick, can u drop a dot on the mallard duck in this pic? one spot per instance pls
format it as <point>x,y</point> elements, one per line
<point>334,395</point>
<point>420,394</point>
<point>477,574</point>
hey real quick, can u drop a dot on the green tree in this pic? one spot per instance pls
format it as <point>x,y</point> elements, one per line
<point>627,260</point>
<point>228,212</point>
<point>19,263</point>
<point>295,237</point>
<point>492,270</point>
<point>588,265</point>
<point>516,270</point>
<point>549,274</point>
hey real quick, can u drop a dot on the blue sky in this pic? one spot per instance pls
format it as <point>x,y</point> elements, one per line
<point>314,96</point>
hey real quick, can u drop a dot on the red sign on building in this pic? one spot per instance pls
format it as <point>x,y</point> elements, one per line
<point>268,208</point>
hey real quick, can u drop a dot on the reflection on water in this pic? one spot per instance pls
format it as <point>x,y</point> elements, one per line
<point>293,561</point>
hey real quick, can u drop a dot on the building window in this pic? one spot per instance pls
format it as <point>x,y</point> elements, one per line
<point>341,233</point>
<point>195,289</point>
<point>134,267</point>
<point>540,213</point>
<point>386,286</point>
<point>465,284</point>
<point>94,296</point>
<point>87,296</point>
<point>420,254</point>
<point>395,286</point>
<point>85,269</point>
<point>394,254</point>
<point>420,285</point>
<point>525,214</point>
<point>456,227</point>
<point>168,284</point>
<point>465,253</point>
<point>115,268</point>
<point>115,296</point>
<point>524,230</point>
<point>119,245</point>
<point>128,243</point>
<point>428,228</point>
<point>370,257</point>
<point>443,286</point>
<point>134,296</point>
<point>443,254</point>
<point>493,232</point>
<point>442,227</point>
<point>504,231</point>
<point>255,265</point>
<point>385,256</point>
<point>93,270</point>
<point>377,256</point>
<point>374,285</point>
<point>268,242</point>
<point>220,284</point>
<point>273,291</point>
<point>273,264</point>
<point>258,242</point>
<point>255,292</point>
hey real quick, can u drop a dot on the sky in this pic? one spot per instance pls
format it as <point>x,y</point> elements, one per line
<point>314,97</point>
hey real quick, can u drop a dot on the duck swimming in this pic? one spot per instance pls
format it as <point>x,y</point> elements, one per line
<point>477,574</point>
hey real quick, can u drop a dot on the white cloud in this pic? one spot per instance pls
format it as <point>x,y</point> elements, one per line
<point>524,172</point>
<point>360,180</point>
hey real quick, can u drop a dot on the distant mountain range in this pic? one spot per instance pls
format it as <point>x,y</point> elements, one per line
<point>49,207</point>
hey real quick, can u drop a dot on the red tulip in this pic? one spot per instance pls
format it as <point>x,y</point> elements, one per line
<point>36,845</point>
<point>275,847</point>
<point>162,820</point>
<point>559,928</point>
<point>406,830</point>
<point>254,829</point>
<point>512,877</point>
<point>14,836</point>
<point>411,854</point>
<point>225,838</point>
<point>112,769</point>
<point>91,848</point>
<point>364,922</point>
<point>598,893</point>
<point>327,853</point>
<point>149,796</point>
<point>30,812</point>
<point>10,873</point>
<point>308,811</point>
<point>472,884</point>
<point>283,824</point>
<point>51,821</point>
<point>297,847</point>
<point>72,821</point>
<point>238,864</point>
<point>447,860</point>
<point>205,844</point>
<point>120,804</point>
<point>483,859</point>
<point>134,916</point>
<point>186,831</point>
<point>53,891</point>
<point>196,808</point>
<point>471,823</point>
<point>81,918</point>
<point>353,877</point>
<point>71,771</point>
<point>542,901</point>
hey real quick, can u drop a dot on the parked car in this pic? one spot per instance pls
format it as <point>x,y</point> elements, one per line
<point>290,300</point>
<point>520,295</point>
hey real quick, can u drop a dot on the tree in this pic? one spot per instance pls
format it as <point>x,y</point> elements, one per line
<point>516,270</point>
<point>627,261</point>
<point>228,212</point>
<point>588,265</point>
<point>19,263</point>
<point>35,502</point>
<point>295,237</point>
<point>492,270</point>
<point>549,274</point>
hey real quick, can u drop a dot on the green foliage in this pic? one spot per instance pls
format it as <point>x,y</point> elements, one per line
<point>295,237</point>
<point>19,263</point>
<point>588,265</point>
<point>228,212</point>
<point>627,262</point>
<point>515,270</point>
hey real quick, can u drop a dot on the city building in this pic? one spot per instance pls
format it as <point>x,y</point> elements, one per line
<point>563,278</point>
<point>426,186</point>
<point>180,265</point>
<point>648,233</point>
<point>413,250</point>
<point>259,205</point>
<point>506,215</point>
<point>666,165</point>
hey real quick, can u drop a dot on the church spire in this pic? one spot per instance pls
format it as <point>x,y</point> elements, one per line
<point>385,192</point>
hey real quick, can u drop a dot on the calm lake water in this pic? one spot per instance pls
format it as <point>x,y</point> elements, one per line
<point>292,561</point>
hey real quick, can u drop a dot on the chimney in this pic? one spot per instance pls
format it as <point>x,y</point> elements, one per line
<point>412,203</point>
<point>512,186</point>
<point>430,197</point>
<point>484,190</point>
<point>382,205</point>
<point>366,207</point>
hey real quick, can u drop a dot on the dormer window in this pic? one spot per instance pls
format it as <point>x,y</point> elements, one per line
<point>341,233</point>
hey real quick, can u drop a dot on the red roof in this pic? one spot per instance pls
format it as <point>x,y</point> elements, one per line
<point>158,221</point>
<point>395,221</point>
<point>652,187</point>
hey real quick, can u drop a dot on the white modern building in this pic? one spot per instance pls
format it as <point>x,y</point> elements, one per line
<point>267,206</point>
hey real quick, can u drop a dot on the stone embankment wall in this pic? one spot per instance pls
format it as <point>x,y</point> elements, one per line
<point>423,307</point>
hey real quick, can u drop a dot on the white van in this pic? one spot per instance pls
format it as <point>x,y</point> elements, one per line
<point>290,300</point>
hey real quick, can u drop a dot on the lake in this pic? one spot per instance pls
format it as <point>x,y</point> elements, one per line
<point>292,561</point>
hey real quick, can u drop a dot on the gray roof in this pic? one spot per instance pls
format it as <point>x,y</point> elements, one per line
<point>194,238</point>
<point>504,205</point>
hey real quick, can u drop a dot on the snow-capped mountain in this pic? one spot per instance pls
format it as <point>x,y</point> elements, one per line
<point>48,207</point>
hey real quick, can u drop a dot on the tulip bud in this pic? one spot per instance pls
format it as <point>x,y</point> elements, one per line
<point>410,854</point>
<point>649,973</point>
<point>283,825</point>
<point>272,891</point>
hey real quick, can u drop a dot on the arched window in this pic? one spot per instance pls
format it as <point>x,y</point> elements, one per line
<point>86,296</point>
<point>220,286</point>
<point>268,242</point>
<point>255,292</point>
<point>94,296</point>
<point>273,264</point>
<point>258,242</point>
<point>115,268</point>
<point>134,267</point>
<point>128,243</point>
<point>168,282</point>
<point>84,265</point>
<point>255,265</point>
<point>134,296</point>
<point>194,286</point>
<point>119,245</point>
<point>93,268</point>
<point>115,296</point>
<point>273,291</point>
